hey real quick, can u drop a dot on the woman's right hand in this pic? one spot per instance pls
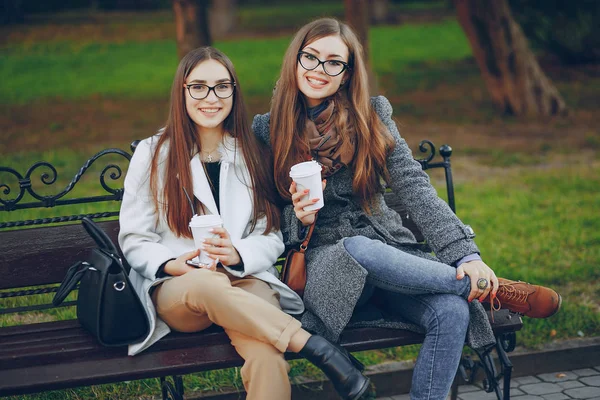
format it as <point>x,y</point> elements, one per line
<point>301,200</point>
<point>179,266</point>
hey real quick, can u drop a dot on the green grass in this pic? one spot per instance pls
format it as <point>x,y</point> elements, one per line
<point>286,16</point>
<point>145,69</point>
<point>543,227</point>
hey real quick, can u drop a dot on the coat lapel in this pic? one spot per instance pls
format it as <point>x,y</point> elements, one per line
<point>201,186</point>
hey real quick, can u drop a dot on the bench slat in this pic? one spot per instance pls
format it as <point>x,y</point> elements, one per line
<point>52,250</point>
<point>50,253</point>
<point>71,357</point>
<point>118,368</point>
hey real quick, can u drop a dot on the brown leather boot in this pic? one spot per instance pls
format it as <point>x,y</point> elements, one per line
<point>524,298</point>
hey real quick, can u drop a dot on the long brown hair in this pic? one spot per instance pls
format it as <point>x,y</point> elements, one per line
<point>183,144</point>
<point>288,115</point>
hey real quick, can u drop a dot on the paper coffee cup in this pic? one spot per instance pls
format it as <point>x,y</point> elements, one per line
<point>307,175</point>
<point>201,226</point>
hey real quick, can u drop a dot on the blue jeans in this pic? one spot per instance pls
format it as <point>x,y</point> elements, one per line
<point>427,294</point>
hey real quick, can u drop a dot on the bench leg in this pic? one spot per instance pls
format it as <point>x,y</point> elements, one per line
<point>490,382</point>
<point>172,391</point>
<point>506,343</point>
<point>469,369</point>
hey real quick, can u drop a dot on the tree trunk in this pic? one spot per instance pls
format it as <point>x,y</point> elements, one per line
<point>357,16</point>
<point>191,24</point>
<point>511,72</point>
<point>380,11</point>
<point>223,14</point>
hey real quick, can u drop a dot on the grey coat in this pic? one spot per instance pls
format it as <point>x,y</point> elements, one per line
<point>335,280</point>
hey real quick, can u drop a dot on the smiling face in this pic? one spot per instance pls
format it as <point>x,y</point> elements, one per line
<point>316,85</point>
<point>210,112</point>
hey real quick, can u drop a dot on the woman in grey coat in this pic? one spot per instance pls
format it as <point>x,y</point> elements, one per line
<point>363,266</point>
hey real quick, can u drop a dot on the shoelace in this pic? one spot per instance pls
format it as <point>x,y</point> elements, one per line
<point>510,293</point>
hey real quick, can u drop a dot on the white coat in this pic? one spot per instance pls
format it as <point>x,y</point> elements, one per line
<point>147,242</point>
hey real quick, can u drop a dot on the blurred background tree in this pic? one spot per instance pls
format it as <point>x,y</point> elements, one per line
<point>223,17</point>
<point>358,17</point>
<point>516,82</point>
<point>191,25</point>
<point>569,30</point>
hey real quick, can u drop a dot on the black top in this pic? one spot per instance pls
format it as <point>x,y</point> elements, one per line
<point>212,173</point>
<point>213,170</point>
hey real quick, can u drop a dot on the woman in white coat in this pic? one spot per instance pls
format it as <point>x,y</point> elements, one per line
<point>206,160</point>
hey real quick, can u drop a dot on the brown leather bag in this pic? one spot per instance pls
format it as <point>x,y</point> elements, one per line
<point>294,270</point>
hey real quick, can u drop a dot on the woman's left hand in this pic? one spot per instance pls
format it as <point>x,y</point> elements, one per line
<point>221,249</point>
<point>476,270</point>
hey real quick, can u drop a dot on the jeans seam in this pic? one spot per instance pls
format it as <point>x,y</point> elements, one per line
<point>435,343</point>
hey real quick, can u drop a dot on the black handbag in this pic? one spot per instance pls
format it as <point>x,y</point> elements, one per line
<point>107,304</point>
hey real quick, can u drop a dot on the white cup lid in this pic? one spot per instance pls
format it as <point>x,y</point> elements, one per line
<point>305,169</point>
<point>206,220</point>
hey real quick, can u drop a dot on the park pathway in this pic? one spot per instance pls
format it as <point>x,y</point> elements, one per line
<point>574,384</point>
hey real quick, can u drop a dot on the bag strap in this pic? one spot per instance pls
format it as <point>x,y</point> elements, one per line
<point>304,244</point>
<point>72,278</point>
<point>100,237</point>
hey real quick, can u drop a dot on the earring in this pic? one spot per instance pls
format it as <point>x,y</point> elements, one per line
<point>342,82</point>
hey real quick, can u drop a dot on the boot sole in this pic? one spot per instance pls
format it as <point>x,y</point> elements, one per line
<point>363,389</point>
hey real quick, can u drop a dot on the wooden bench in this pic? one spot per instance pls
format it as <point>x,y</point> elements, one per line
<point>54,355</point>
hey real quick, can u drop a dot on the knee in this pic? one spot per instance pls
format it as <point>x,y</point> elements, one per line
<point>450,315</point>
<point>454,315</point>
<point>205,282</point>
<point>355,241</point>
<point>355,245</point>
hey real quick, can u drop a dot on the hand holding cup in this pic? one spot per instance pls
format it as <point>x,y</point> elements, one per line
<point>202,229</point>
<point>220,248</point>
<point>301,200</point>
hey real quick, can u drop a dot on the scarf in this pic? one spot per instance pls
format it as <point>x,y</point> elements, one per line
<point>326,145</point>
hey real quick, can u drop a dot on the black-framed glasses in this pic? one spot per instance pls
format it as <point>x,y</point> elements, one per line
<point>331,67</point>
<point>199,91</point>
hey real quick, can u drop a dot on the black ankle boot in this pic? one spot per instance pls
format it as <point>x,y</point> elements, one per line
<point>346,379</point>
<point>359,366</point>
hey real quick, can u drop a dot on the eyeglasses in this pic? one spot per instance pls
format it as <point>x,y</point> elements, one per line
<point>331,67</point>
<point>199,91</point>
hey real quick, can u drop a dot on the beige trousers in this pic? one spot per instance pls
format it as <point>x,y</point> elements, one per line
<point>249,311</point>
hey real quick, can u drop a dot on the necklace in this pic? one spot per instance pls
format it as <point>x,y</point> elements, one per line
<point>208,155</point>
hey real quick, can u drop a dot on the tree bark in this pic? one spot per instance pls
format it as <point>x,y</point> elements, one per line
<point>223,15</point>
<point>357,16</point>
<point>191,25</point>
<point>511,72</point>
<point>380,11</point>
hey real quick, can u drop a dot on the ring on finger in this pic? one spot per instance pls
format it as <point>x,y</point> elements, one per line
<point>482,283</point>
